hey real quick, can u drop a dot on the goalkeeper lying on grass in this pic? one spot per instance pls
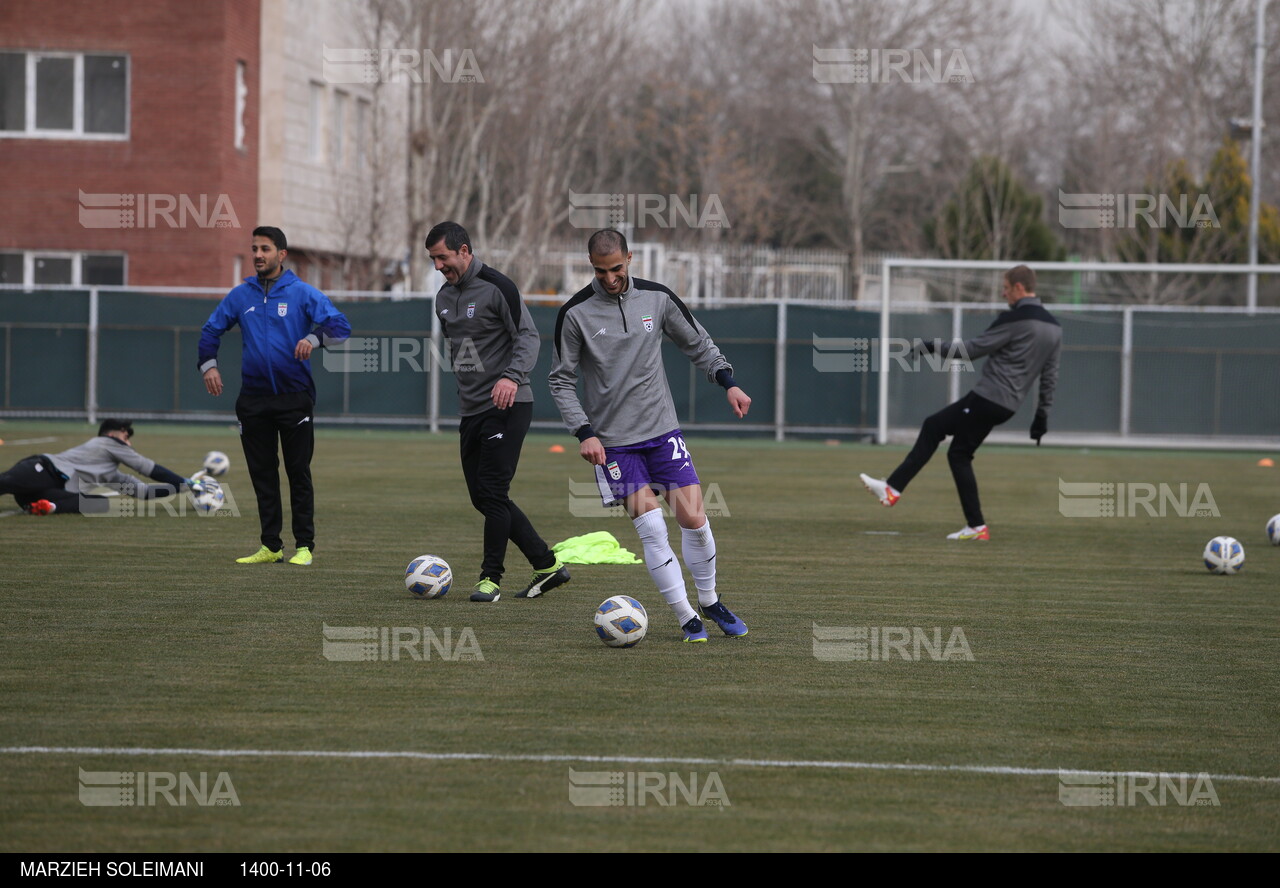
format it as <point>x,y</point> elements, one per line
<point>61,482</point>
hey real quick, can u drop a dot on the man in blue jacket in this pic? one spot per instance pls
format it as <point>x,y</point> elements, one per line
<point>282,319</point>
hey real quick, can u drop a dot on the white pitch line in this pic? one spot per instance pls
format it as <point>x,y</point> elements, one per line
<point>1003,770</point>
<point>29,441</point>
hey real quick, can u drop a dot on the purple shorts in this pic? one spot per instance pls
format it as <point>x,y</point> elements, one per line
<point>662,463</point>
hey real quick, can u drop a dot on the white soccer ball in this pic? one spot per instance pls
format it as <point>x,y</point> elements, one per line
<point>1224,555</point>
<point>1273,530</point>
<point>428,577</point>
<point>210,500</point>
<point>621,621</point>
<point>216,463</point>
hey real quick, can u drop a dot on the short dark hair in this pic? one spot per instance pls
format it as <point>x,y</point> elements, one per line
<point>115,425</point>
<point>275,234</point>
<point>606,241</point>
<point>1021,274</point>
<point>453,234</point>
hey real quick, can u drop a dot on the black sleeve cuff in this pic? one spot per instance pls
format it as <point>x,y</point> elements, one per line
<point>584,433</point>
<point>725,378</point>
<point>164,476</point>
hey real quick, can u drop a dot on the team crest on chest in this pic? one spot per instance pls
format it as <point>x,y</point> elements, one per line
<point>471,309</point>
<point>647,320</point>
<point>614,472</point>
<point>282,309</point>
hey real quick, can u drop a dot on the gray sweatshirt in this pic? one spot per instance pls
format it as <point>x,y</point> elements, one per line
<point>491,335</point>
<point>615,344</point>
<point>97,462</point>
<point>1021,344</point>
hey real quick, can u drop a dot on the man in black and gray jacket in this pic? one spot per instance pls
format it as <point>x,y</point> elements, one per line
<point>494,346</point>
<point>1020,345</point>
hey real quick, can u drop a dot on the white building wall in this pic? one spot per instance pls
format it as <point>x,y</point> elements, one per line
<point>315,189</point>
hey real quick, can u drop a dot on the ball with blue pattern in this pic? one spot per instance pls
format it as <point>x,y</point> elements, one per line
<point>428,576</point>
<point>1224,555</point>
<point>621,621</point>
<point>217,463</point>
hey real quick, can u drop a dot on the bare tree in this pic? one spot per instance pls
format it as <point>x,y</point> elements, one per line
<point>498,148</point>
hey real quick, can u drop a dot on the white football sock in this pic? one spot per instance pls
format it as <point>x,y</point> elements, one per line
<point>660,558</point>
<point>699,548</point>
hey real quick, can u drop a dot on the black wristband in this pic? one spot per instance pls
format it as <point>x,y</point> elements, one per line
<point>584,432</point>
<point>164,476</point>
<point>725,378</point>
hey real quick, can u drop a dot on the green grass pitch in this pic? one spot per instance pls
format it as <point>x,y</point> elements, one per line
<point>1097,644</point>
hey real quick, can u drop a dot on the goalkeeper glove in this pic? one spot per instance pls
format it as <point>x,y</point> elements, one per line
<point>1039,426</point>
<point>199,483</point>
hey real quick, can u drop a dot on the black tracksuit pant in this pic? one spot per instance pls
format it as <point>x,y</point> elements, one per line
<point>490,445</point>
<point>36,478</point>
<point>968,421</point>
<point>270,425</point>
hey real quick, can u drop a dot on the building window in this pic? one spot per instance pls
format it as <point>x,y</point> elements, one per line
<point>64,95</point>
<point>102,270</point>
<point>46,267</point>
<point>242,103</point>
<point>361,130</point>
<point>13,92</point>
<point>10,268</point>
<point>105,94</point>
<point>337,129</point>
<point>314,124</point>
<point>51,270</point>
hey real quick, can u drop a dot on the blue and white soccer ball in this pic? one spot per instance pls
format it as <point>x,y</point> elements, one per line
<point>428,577</point>
<point>216,463</point>
<point>1224,555</point>
<point>621,621</point>
<point>1273,530</point>
<point>210,499</point>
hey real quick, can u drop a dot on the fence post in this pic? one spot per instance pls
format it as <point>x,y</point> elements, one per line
<point>433,381</point>
<point>1126,369</point>
<point>780,374</point>
<point>91,384</point>
<point>882,384</point>
<point>957,332</point>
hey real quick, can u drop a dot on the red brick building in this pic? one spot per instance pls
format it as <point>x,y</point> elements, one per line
<point>128,141</point>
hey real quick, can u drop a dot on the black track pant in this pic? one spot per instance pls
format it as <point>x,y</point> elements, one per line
<point>36,478</point>
<point>490,445</point>
<point>272,424</point>
<point>968,421</point>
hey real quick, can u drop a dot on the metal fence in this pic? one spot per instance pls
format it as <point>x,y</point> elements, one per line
<point>1130,374</point>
